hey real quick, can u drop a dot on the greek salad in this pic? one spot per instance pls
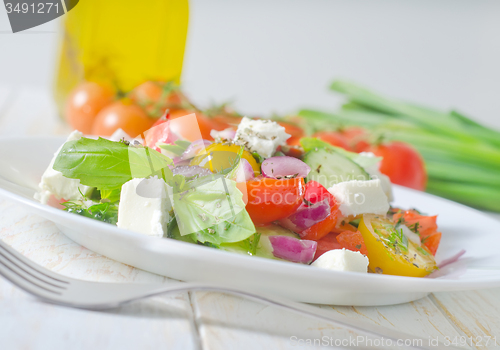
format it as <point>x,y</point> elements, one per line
<point>247,192</point>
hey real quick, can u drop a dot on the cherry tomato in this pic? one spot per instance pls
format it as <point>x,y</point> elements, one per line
<point>427,227</point>
<point>156,97</point>
<point>190,132</point>
<point>327,243</point>
<point>334,138</point>
<point>357,138</point>
<point>84,103</point>
<point>315,192</point>
<point>129,117</point>
<point>352,241</point>
<point>403,164</point>
<point>159,132</point>
<point>344,227</point>
<point>273,199</point>
<point>296,131</point>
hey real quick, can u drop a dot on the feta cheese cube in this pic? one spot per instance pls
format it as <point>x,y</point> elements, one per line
<point>144,206</point>
<point>342,260</point>
<point>360,197</point>
<point>260,135</point>
<point>54,183</point>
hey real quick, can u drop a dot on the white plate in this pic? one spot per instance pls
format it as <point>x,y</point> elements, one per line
<point>23,160</point>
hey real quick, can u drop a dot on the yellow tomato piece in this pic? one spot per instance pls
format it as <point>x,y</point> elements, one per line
<point>391,255</point>
<point>220,156</point>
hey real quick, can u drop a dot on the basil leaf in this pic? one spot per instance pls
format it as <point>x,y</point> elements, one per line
<point>107,165</point>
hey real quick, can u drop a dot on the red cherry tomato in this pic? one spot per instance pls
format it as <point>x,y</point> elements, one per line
<point>334,138</point>
<point>159,132</point>
<point>273,199</point>
<point>327,243</point>
<point>156,97</point>
<point>295,131</point>
<point>403,164</point>
<point>352,241</point>
<point>128,117</point>
<point>315,192</point>
<point>357,138</point>
<point>427,227</point>
<point>205,125</point>
<point>83,104</point>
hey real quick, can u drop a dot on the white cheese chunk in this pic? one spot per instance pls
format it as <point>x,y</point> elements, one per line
<point>54,183</point>
<point>342,260</point>
<point>360,197</point>
<point>374,172</point>
<point>260,135</point>
<point>144,206</point>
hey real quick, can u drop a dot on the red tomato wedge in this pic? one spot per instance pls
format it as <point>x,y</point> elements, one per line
<point>273,199</point>
<point>352,241</point>
<point>427,227</point>
<point>327,243</point>
<point>315,192</point>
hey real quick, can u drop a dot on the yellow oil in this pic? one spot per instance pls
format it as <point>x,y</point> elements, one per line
<point>121,43</point>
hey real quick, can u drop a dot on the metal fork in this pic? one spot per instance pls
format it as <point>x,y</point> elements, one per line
<point>61,290</point>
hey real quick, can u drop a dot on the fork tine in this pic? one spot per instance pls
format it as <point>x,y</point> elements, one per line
<point>28,286</point>
<point>32,268</point>
<point>9,267</point>
<point>27,273</point>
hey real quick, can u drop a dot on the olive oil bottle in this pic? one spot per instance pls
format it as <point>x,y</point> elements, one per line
<point>121,43</point>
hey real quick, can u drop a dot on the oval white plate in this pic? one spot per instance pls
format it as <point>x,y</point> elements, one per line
<point>23,160</point>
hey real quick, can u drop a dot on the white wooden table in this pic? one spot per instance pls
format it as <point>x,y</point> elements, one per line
<point>201,320</point>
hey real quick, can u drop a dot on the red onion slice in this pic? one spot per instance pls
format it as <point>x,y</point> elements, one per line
<point>452,259</point>
<point>245,171</point>
<point>194,148</point>
<point>189,171</point>
<point>284,166</point>
<point>293,249</point>
<point>307,216</point>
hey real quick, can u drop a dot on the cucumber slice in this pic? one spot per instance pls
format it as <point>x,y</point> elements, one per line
<point>329,167</point>
<point>264,248</point>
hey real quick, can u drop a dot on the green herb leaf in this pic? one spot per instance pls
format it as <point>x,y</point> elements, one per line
<point>105,212</point>
<point>107,165</point>
<point>212,212</point>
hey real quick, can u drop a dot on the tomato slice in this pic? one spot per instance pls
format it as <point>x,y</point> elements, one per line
<point>352,241</point>
<point>427,227</point>
<point>327,243</point>
<point>273,199</point>
<point>315,192</point>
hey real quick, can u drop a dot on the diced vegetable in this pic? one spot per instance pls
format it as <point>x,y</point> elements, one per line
<point>271,199</point>
<point>283,167</point>
<point>353,241</point>
<point>329,167</point>
<point>390,253</point>
<point>327,243</point>
<point>293,249</point>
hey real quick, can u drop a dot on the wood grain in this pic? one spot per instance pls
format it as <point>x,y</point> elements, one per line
<point>26,323</point>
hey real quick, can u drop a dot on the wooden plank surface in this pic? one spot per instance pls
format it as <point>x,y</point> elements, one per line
<point>26,323</point>
<point>186,320</point>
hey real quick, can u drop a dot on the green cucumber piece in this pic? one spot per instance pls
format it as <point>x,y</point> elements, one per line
<point>329,167</point>
<point>264,248</point>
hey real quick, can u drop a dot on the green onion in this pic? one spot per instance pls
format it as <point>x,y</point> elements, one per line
<point>462,156</point>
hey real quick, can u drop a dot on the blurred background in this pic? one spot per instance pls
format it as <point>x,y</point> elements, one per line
<point>279,55</point>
